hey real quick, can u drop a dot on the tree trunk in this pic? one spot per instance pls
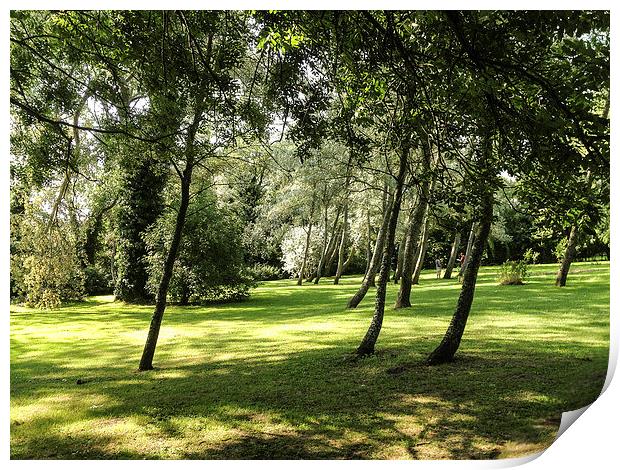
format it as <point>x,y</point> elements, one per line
<point>369,277</point>
<point>569,254</point>
<point>453,253</point>
<point>307,248</point>
<point>399,259</point>
<point>368,242</point>
<point>452,339</point>
<point>421,250</point>
<point>367,345</point>
<point>413,234</point>
<point>146,362</point>
<point>343,244</point>
<point>327,249</point>
<point>349,258</point>
<point>470,242</point>
<point>332,253</point>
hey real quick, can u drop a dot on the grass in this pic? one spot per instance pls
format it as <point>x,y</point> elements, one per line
<point>272,377</point>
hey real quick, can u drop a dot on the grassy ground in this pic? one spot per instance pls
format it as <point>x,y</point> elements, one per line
<point>271,377</point>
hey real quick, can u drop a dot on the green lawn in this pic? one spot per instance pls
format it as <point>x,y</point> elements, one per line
<point>273,377</point>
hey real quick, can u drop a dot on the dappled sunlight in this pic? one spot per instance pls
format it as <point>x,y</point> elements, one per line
<point>235,381</point>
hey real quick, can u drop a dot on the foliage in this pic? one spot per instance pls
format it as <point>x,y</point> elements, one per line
<point>50,266</point>
<point>209,266</point>
<point>514,272</point>
<point>265,272</point>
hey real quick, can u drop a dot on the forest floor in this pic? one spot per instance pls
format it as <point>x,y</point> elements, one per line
<point>273,378</point>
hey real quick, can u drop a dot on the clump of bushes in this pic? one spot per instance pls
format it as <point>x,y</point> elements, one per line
<point>265,272</point>
<point>513,273</point>
<point>209,266</point>
<point>45,262</point>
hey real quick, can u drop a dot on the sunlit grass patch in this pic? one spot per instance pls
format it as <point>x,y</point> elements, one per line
<point>272,377</point>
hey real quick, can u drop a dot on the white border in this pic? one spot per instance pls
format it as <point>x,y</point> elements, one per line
<point>591,442</point>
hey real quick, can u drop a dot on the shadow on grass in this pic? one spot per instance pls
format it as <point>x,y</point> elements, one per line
<point>322,406</point>
<point>230,390</point>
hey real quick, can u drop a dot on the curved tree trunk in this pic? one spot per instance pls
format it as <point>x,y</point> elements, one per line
<point>403,299</point>
<point>451,261</point>
<point>367,345</point>
<point>343,244</point>
<point>369,277</point>
<point>368,241</point>
<point>569,254</point>
<point>146,362</point>
<point>452,339</point>
<point>421,250</point>
<point>349,258</point>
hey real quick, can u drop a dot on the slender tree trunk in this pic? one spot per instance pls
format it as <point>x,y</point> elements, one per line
<point>368,242</point>
<point>571,247</point>
<point>569,254</point>
<point>369,277</point>
<point>421,250</point>
<point>146,362</point>
<point>328,249</point>
<point>367,345</point>
<point>307,247</point>
<point>470,242</point>
<point>413,234</point>
<point>343,244</point>
<point>452,339</point>
<point>332,253</point>
<point>400,259</point>
<point>349,258</point>
<point>453,253</point>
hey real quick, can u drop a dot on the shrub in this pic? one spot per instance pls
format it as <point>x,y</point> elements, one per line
<point>512,273</point>
<point>265,272</point>
<point>47,261</point>
<point>209,266</point>
<point>97,281</point>
<point>530,256</point>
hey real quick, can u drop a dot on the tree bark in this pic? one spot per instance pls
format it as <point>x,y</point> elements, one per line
<point>332,253</point>
<point>569,254</point>
<point>368,241</point>
<point>307,247</point>
<point>369,277</point>
<point>470,242</point>
<point>328,249</point>
<point>421,250</point>
<point>343,244</point>
<point>400,258</point>
<point>452,339</point>
<point>453,254</point>
<point>367,345</point>
<point>403,299</point>
<point>350,257</point>
<point>146,362</point>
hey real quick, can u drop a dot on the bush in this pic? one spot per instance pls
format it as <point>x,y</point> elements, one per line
<point>45,265</point>
<point>265,272</point>
<point>513,273</point>
<point>97,281</point>
<point>209,266</point>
